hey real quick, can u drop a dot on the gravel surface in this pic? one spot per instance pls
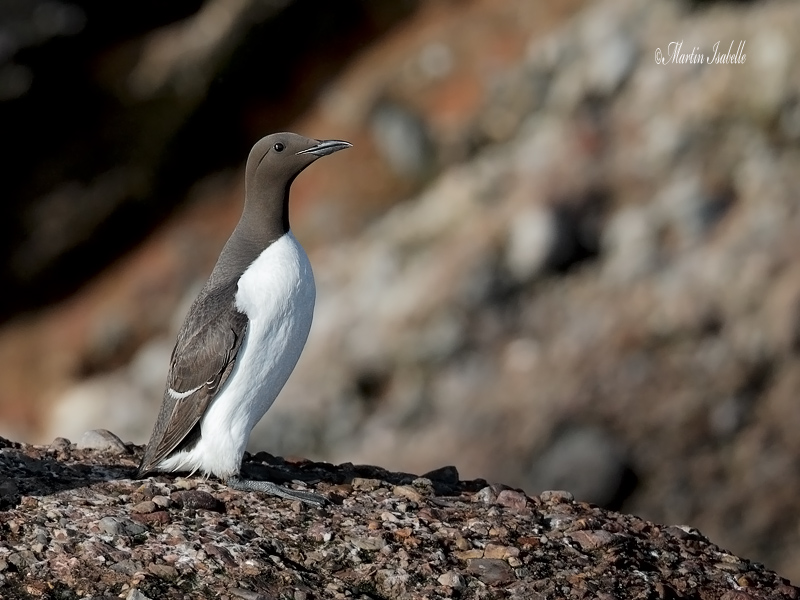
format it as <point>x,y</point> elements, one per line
<point>73,524</point>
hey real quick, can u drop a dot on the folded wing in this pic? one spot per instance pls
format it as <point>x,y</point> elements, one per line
<point>203,358</point>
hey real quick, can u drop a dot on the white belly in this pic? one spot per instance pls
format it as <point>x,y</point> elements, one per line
<point>277,293</point>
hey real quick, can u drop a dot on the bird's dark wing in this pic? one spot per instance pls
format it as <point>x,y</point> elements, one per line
<point>202,360</point>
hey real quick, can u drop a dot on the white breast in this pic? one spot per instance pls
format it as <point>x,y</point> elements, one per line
<point>277,294</point>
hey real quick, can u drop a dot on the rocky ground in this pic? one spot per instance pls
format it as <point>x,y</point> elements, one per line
<point>74,525</point>
<point>547,260</point>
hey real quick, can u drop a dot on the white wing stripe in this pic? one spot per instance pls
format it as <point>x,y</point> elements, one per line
<point>181,395</point>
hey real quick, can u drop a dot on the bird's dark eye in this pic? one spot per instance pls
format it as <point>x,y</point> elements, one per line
<point>279,147</point>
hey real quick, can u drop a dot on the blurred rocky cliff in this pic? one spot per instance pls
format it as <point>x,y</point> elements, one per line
<point>547,259</point>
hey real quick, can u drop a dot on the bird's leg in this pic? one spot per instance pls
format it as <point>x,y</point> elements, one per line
<point>267,487</point>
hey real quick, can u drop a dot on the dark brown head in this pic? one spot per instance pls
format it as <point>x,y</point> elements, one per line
<point>272,166</point>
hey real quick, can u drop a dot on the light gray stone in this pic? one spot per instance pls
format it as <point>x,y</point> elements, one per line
<point>101,439</point>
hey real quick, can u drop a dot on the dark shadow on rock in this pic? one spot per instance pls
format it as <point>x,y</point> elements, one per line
<point>43,476</point>
<point>27,470</point>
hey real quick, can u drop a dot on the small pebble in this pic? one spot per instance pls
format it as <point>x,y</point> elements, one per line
<point>162,501</point>
<point>248,594</point>
<point>499,551</point>
<point>197,499</point>
<point>462,543</point>
<point>103,440</point>
<point>424,485</point>
<point>61,535</point>
<point>145,507</point>
<point>163,571</point>
<point>160,516</point>
<point>368,543</point>
<point>592,540</point>
<point>452,579</point>
<point>485,495</point>
<point>365,485</point>
<point>146,491</point>
<point>491,571</point>
<point>135,594</point>
<point>60,444</point>
<point>341,489</point>
<point>408,492</point>
<point>448,475</point>
<point>737,595</point>
<point>126,567</point>
<point>512,499</point>
<point>18,559</point>
<point>116,526</point>
<point>182,483</point>
<point>556,496</point>
<point>109,525</point>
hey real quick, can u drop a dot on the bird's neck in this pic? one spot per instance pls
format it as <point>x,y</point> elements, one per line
<point>265,219</point>
<point>266,213</point>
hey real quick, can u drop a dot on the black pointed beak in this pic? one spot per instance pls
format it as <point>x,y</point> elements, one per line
<point>326,147</point>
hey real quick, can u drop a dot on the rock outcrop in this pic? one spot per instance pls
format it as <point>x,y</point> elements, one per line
<point>74,525</point>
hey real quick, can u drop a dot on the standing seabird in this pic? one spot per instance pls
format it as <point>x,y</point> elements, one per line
<point>244,332</point>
